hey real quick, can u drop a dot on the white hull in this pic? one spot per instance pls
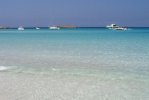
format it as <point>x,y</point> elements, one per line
<point>115,27</point>
<point>54,28</point>
<point>120,28</point>
<point>37,28</point>
<point>21,29</point>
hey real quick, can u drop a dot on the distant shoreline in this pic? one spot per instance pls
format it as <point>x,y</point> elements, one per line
<point>63,27</point>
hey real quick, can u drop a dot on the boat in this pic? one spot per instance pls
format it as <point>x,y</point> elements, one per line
<point>120,28</point>
<point>20,28</point>
<point>54,28</point>
<point>112,26</point>
<point>37,28</point>
<point>116,27</point>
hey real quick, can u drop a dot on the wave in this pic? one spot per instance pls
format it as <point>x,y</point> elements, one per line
<point>3,68</point>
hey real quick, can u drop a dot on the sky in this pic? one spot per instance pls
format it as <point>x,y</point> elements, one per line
<point>85,13</point>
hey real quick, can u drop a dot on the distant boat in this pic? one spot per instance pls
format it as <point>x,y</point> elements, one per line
<point>37,28</point>
<point>115,27</point>
<point>54,28</point>
<point>20,28</point>
<point>120,28</point>
<point>112,26</point>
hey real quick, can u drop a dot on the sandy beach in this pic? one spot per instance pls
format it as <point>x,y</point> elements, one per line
<point>60,86</point>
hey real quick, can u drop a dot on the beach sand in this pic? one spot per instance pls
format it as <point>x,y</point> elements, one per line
<point>61,86</point>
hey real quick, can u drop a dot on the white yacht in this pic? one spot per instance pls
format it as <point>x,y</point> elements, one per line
<point>120,28</point>
<point>20,28</point>
<point>115,27</point>
<point>112,26</point>
<point>54,28</point>
<point>37,28</point>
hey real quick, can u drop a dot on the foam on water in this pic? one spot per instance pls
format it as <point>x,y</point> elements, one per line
<point>8,68</point>
<point>3,68</point>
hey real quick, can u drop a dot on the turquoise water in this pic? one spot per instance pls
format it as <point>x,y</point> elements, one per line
<point>80,64</point>
<point>97,49</point>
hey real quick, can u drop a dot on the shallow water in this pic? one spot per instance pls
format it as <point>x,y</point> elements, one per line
<point>83,48</point>
<point>74,64</point>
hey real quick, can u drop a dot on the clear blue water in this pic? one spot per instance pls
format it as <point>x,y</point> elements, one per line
<point>97,49</point>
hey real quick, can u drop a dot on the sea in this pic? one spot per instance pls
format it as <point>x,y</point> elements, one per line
<point>115,62</point>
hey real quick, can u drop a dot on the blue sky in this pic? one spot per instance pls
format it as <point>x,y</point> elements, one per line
<point>74,12</point>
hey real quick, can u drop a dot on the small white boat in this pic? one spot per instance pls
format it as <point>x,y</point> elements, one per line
<point>112,26</point>
<point>120,28</point>
<point>37,28</point>
<point>115,27</point>
<point>20,28</point>
<point>54,28</point>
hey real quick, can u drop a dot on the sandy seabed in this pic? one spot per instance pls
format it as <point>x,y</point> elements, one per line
<point>27,86</point>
